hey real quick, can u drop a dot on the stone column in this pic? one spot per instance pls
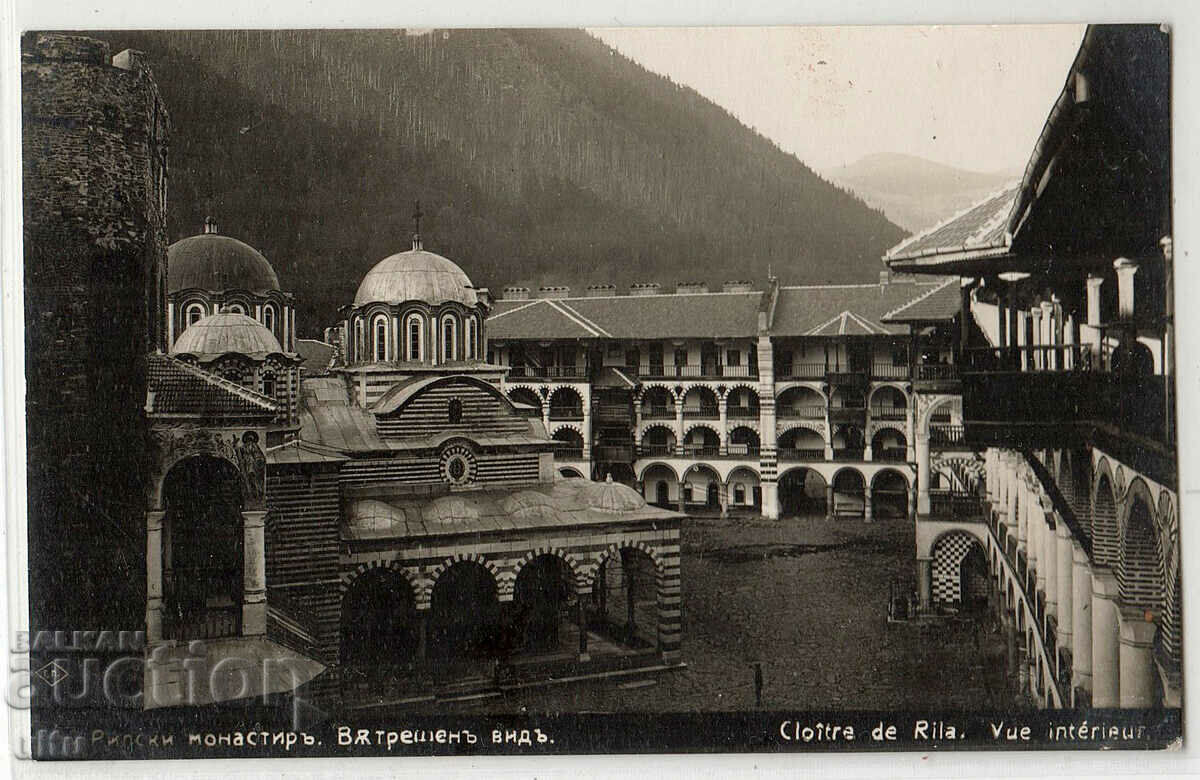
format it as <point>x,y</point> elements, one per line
<point>545,413</point>
<point>583,634</point>
<point>1069,343</point>
<point>769,457</point>
<point>922,473</point>
<point>829,501</point>
<point>1049,558</point>
<point>154,583</point>
<point>1126,269</point>
<point>1106,690</point>
<point>1138,672</point>
<point>1090,333</point>
<point>1016,512</point>
<point>254,574</point>
<point>1081,620</point>
<point>925,582</point>
<point>1066,590</point>
<point>910,453</point>
<point>723,416</point>
<point>587,429</point>
<point>422,636</point>
<point>867,502</point>
<point>679,426</point>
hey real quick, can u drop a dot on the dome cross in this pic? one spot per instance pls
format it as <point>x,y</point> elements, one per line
<point>417,214</point>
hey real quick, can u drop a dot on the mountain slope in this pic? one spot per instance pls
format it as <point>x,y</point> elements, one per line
<point>539,157</point>
<point>916,193</point>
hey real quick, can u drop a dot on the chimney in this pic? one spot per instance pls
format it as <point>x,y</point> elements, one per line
<point>737,286</point>
<point>554,292</point>
<point>690,288</point>
<point>516,293</point>
<point>484,295</point>
<point>884,277</point>
<point>210,226</point>
<point>595,290</point>
<point>645,288</point>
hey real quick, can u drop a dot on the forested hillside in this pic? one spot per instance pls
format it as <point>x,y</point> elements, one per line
<point>539,157</point>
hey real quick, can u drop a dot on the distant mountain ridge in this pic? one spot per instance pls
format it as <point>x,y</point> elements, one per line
<point>539,156</point>
<point>916,193</point>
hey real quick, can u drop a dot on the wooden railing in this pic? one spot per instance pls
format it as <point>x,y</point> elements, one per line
<point>890,454</point>
<point>703,371</point>
<point>568,453</point>
<point>742,412</point>
<point>801,453</point>
<point>946,435</point>
<point>803,411</point>
<point>656,450</point>
<point>889,413</point>
<point>548,372</point>
<point>655,412</point>
<point>937,372</point>
<point>705,411</point>
<point>956,505</point>
<point>613,453</point>
<point>800,371</point>
<point>742,450</point>
<point>889,371</point>
<point>566,412</point>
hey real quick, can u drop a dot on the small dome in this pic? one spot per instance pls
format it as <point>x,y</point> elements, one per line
<point>614,497</point>
<point>415,275</point>
<point>214,262</point>
<point>374,515</point>
<point>226,332</point>
<point>449,511</point>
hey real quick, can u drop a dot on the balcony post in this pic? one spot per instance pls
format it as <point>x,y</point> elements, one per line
<point>1069,343</point>
<point>1049,557</point>
<point>1048,335</point>
<point>910,451</point>
<point>1125,269</point>
<point>587,427</point>
<point>829,501</point>
<point>1035,315</point>
<point>1021,340</point>
<point>546,413</point>
<point>1081,618</point>
<point>1090,334</point>
<point>922,473</point>
<point>769,453</point>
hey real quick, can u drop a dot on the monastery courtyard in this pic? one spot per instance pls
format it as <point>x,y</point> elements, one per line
<point>761,591</point>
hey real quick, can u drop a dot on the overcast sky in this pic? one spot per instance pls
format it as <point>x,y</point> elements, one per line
<point>972,97</point>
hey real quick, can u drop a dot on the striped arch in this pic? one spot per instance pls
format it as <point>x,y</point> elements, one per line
<point>817,387</point>
<point>815,426</point>
<point>421,588</point>
<point>615,550</point>
<point>1106,537</point>
<point>703,424</point>
<point>556,427</point>
<point>970,472</point>
<point>948,552</point>
<point>652,425</point>
<point>897,386</point>
<point>1141,564</point>
<point>753,388</point>
<point>503,588</point>
<point>648,466</point>
<point>582,583</point>
<point>669,387</point>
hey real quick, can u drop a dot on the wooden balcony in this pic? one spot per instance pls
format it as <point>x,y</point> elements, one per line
<point>613,453</point>
<point>800,371</point>
<point>942,436</point>
<point>957,505</point>
<point>571,373</point>
<point>801,412</point>
<point>795,453</point>
<point>708,371</point>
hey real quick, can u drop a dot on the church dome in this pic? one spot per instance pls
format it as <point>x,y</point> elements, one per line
<point>226,332</point>
<point>614,497</point>
<point>211,261</point>
<point>415,275</point>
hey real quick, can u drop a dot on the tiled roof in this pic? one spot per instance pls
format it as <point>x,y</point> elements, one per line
<point>942,302</point>
<point>688,315</point>
<point>980,227</point>
<point>179,388</point>
<point>845,309</point>
<point>316,354</point>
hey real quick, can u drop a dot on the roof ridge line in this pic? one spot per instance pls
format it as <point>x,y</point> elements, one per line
<point>225,384</point>
<point>576,319</point>
<point>823,325</point>
<point>587,320</point>
<point>921,297</point>
<point>516,308</point>
<point>864,322</point>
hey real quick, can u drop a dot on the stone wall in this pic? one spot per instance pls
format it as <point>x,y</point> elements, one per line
<point>94,187</point>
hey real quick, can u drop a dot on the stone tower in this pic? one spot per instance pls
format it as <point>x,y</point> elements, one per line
<point>94,134</point>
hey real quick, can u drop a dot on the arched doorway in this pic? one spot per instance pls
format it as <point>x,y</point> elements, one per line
<point>701,486</point>
<point>465,614</point>
<point>849,493</point>
<point>744,442</point>
<point>802,493</point>
<point>379,636</point>
<point>543,599</point>
<point>660,485</point>
<point>889,495</point>
<point>959,562</point>
<point>889,444</point>
<point>625,599</point>
<point>202,549</point>
<point>572,444</point>
<point>662,493</point>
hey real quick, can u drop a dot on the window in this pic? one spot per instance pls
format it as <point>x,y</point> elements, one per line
<point>358,340</point>
<point>414,337</point>
<point>236,308</point>
<point>687,492</point>
<point>269,385</point>
<point>269,318</point>
<point>380,327</point>
<point>733,358</point>
<point>681,357</point>
<point>455,411</point>
<point>194,312</point>
<point>739,493</point>
<point>449,336</point>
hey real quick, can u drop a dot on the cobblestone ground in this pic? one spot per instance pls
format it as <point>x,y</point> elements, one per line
<point>807,598</point>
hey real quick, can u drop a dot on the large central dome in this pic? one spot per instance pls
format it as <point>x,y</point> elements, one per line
<point>210,261</point>
<point>415,275</point>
